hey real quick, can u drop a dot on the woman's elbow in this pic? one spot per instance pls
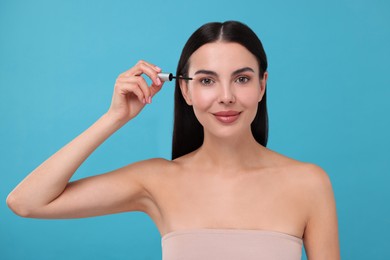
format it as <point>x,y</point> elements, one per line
<point>17,207</point>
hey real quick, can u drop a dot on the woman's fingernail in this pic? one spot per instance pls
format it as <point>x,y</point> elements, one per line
<point>158,80</point>
<point>144,101</point>
<point>157,68</point>
<point>150,100</point>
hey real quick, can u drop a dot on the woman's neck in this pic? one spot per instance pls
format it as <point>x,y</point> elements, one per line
<point>230,154</point>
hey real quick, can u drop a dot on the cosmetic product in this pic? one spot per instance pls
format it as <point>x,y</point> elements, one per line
<point>169,77</point>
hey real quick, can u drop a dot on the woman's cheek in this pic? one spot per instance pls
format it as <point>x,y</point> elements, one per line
<point>202,98</point>
<point>249,97</point>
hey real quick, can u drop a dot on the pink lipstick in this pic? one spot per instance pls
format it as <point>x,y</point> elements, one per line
<point>227,117</point>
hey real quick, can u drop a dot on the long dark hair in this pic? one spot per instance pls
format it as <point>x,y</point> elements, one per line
<point>187,131</point>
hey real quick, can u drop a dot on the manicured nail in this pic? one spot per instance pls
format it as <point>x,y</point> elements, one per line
<point>157,68</point>
<point>150,100</point>
<point>144,101</point>
<point>158,81</point>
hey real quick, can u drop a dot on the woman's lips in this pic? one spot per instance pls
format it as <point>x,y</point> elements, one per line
<point>227,116</point>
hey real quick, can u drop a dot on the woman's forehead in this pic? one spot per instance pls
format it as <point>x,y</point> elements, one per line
<point>222,56</point>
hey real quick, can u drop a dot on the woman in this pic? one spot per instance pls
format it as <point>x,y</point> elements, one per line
<point>224,195</point>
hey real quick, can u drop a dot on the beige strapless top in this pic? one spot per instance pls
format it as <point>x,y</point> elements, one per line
<point>227,244</point>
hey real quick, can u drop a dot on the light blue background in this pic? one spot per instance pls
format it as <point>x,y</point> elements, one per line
<point>328,94</point>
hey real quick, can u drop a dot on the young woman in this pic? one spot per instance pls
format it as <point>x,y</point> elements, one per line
<point>223,195</point>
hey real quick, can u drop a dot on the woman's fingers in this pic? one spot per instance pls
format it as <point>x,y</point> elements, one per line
<point>132,91</point>
<point>138,84</point>
<point>155,88</point>
<point>150,70</point>
<point>143,67</point>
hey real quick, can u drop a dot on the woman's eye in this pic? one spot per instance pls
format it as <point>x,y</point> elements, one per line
<point>242,79</point>
<point>206,81</point>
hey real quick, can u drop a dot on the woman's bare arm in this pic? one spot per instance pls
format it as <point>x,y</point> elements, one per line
<point>321,233</point>
<point>47,193</point>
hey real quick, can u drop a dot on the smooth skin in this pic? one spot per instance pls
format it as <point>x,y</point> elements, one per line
<point>230,182</point>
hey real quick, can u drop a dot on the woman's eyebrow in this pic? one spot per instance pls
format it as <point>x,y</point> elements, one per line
<point>213,73</point>
<point>208,72</point>
<point>242,70</point>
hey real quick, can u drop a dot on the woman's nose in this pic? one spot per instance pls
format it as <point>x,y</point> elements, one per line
<point>227,95</point>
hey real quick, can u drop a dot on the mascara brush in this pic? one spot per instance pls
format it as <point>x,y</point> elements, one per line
<point>169,77</point>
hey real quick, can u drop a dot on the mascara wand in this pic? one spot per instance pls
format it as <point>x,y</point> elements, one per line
<point>169,77</point>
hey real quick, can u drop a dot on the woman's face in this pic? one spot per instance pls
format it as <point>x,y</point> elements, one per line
<point>225,89</point>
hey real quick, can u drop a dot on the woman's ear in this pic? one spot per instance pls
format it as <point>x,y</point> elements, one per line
<point>185,91</point>
<point>263,85</point>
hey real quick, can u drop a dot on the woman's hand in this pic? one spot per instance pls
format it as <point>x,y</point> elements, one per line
<point>131,91</point>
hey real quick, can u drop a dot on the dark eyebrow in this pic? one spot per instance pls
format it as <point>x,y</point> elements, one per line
<point>242,70</point>
<point>213,73</point>
<point>208,72</point>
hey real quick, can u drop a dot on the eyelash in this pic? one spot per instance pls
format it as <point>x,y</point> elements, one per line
<point>246,78</point>
<point>202,81</point>
<point>237,80</point>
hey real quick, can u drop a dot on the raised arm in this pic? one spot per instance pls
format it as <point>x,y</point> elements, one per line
<point>46,191</point>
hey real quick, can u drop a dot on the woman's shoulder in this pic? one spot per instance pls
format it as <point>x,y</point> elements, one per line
<point>305,181</point>
<point>152,165</point>
<point>312,177</point>
<point>307,173</point>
